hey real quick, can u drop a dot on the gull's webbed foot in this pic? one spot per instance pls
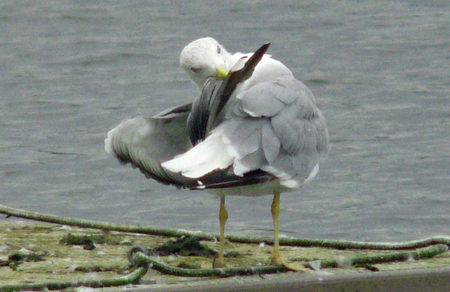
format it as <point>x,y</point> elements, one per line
<point>277,260</point>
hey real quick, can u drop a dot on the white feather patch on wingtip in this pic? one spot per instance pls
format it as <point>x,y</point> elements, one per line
<point>204,158</point>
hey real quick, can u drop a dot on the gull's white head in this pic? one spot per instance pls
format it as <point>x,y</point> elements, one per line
<point>205,58</point>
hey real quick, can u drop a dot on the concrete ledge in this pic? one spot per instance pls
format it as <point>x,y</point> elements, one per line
<point>419,280</point>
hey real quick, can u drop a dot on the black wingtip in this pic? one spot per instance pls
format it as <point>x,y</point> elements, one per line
<point>266,46</point>
<point>259,53</point>
<point>253,61</point>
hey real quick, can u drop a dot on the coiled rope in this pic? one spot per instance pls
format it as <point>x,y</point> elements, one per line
<point>417,249</point>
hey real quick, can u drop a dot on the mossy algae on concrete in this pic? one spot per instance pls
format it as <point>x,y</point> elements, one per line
<point>42,252</point>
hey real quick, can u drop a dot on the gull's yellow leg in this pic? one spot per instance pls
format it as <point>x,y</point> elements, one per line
<point>276,258</point>
<point>223,216</point>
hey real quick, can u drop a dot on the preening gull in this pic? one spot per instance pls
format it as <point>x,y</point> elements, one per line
<point>254,130</point>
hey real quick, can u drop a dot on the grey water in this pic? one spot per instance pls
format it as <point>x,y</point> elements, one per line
<point>72,70</point>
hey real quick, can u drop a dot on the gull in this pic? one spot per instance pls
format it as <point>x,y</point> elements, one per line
<point>254,130</point>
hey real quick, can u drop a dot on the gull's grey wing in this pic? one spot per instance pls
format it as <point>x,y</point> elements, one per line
<point>276,127</point>
<point>147,142</point>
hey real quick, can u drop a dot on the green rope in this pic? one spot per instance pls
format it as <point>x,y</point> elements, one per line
<point>101,225</point>
<point>132,278</point>
<point>424,248</point>
<point>421,253</point>
<point>140,258</point>
<point>345,244</point>
<point>335,244</point>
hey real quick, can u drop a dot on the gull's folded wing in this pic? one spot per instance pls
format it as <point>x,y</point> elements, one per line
<point>147,142</point>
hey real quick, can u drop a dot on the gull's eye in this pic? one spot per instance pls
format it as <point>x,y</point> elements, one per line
<point>195,70</point>
<point>218,49</point>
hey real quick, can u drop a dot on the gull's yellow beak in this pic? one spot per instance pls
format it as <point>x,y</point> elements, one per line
<point>221,72</point>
